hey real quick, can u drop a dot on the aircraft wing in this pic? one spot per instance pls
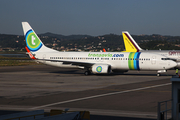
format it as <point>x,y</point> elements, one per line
<point>86,64</point>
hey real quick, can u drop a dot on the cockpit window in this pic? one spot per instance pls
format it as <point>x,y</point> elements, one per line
<point>165,59</point>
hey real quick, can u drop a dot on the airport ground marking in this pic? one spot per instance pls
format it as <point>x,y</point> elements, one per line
<point>102,95</point>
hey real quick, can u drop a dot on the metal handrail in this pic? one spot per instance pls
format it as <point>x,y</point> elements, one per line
<point>177,111</point>
<point>160,113</point>
<point>37,115</point>
<point>26,116</point>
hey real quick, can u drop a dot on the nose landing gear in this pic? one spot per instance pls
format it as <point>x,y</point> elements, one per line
<point>158,74</point>
<point>160,71</point>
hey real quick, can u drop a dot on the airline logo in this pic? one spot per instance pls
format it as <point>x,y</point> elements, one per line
<point>129,43</point>
<point>32,41</point>
<point>133,60</point>
<point>174,52</point>
<point>99,69</point>
<point>105,55</point>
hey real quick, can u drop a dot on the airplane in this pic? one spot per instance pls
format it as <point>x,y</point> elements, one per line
<point>93,62</point>
<point>132,46</point>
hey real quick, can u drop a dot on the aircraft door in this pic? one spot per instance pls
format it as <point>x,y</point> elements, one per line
<point>178,54</point>
<point>153,60</point>
<point>44,57</point>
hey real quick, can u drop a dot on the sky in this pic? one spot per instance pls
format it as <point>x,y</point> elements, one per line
<point>91,17</point>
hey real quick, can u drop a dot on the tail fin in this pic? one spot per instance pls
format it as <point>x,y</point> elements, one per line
<point>130,44</point>
<point>33,42</point>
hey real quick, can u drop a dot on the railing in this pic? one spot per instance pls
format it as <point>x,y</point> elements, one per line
<point>82,115</point>
<point>177,111</point>
<point>34,116</point>
<point>162,114</point>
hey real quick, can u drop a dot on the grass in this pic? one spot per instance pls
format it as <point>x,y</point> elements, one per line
<point>16,61</point>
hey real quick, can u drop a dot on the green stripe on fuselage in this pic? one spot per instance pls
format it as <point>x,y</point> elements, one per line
<point>130,60</point>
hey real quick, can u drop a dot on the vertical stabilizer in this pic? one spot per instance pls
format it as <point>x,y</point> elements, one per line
<point>130,44</point>
<point>33,43</point>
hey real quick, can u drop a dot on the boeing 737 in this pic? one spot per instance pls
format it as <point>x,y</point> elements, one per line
<point>132,46</point>
<point>93,62</point>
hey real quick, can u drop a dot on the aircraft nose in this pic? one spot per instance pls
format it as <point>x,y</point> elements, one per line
<point>172,64</point>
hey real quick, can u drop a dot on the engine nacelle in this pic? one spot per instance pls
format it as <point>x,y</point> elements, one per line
<point>101,69</point>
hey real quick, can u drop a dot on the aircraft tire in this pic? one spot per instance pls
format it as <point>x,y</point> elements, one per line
<point>158,74</point>
<point>86,73</point>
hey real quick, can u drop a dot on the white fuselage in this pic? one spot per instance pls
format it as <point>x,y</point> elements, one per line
<point>172,54</point>
<point>117,60</point>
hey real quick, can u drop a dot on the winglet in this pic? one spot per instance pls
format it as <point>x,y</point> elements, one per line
<point>130,44</point>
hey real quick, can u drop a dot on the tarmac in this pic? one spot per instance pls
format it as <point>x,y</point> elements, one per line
<point>129,96</point>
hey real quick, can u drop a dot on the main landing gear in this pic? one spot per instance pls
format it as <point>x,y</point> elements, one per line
<point>87,73</point>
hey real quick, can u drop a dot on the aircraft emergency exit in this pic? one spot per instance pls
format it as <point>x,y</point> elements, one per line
<point>93,62</point>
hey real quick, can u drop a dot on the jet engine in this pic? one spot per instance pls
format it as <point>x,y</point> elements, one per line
<point>101,69</point>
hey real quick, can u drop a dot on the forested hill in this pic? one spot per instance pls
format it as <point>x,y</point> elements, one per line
<point>63,37</point>
<point>110,42</point>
